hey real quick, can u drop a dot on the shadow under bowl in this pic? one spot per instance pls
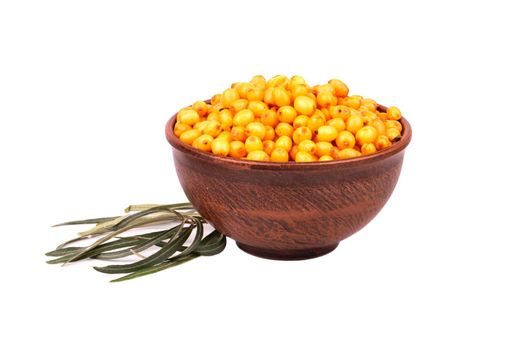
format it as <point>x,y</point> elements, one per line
<point>288,211</point>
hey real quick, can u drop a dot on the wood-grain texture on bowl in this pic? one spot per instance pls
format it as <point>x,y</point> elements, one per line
<point>288,210</point>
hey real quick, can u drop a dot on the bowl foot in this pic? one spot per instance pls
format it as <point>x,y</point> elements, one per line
<point>290,254</point>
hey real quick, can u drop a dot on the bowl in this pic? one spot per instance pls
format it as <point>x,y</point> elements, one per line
<point>288,211</point>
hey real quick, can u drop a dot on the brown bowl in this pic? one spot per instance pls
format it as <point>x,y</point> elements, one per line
<point>289,210</point>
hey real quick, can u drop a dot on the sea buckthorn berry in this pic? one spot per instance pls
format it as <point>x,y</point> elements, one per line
<point>257,107</point>
<point>237,149</point>
<point>393,124</point>
<point>243,117</point>
<point>319,113</point>
<point>203,143</point>
<point>382,142</point>
<point>284,142</point>
<point>368,148</point>
<point>340,111</point>
<point>212,116</point>
<point>189,136</point>
<point>268,96</point>
<point>379,125</point>
<point>337,123</point>
<point>268,146</point>
<point>293,152</point>
<point>243,89</point>
<point>366,134</point>
<point>347,153</point>
<point>368,117</point>
<point>286,114</point>
<point>220,147</point>
<point>326,99</point>
<point>254,143</point>
<point>284,129</point>
<point>299,90</point>
<point>352,101</point>
<point>341,89</point>
<point>200,107</point>
<point>297,80</point>
<point>277,81</point>
<point>325,158</point>
<point>324,148</point>
<point>216,99</point>
<point>315,122</point>
<point>269,118</point>
<point>212,128</point>
<point>304,105</point>
<point>323,88</point>
<point>225,117</point>
<point>238,133</point>
<point>394,113</point>
<point>393,134</point>
<point>281,97</point>
<point>382,116</point>
<point>369,104</point>
<point>239,105</point>
<point>307,146</point>
<point>301,134</point>
<point>260,156</point>
<point>226,135</point>
<point>327,133</point>
<point>270,133</point>
<point>258,81</point>
<point>200,126</point>
<point>300,120</point>
<point>304,157</point>
<point>279,154</point>
<point>256,129</point>
<point>180,128</point>
<point>255,94</point>
<point>228,97</point>
<point>345,139</point>
<point>188,116</point>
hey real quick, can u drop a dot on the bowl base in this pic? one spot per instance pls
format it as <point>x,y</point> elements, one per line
<point>290,254</point>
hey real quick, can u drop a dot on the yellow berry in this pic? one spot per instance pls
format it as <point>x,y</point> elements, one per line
<point>238,133</point>
<point>293,152</point>
<point>260,156</point>
<point>324,148</point>
<point>203,143</point>
<point>256,129</point>
<point>243,89</point>
<point>301,134</point>
<point>237,149</point>
<point>225,117</point>
<point>255,94</point>
<point>340,111</point>
<point>347,153</point>
<point>345,139</point>
<point>257,107</point>
<point>268,146</point>
<point>297,80</point>
<point>188,116</point>
<point>228,97</point>
<point>393,134</point>
<point>304,105</point>
<point>284,142</point>
<point>394,113</point>
<point>220,146</point>
<point>200,107</point>
<point>253,143</point>
<point>369,104</point>
<point>270,133</point>
<point>300,120</point>
<point>286,114</point>
<point>393,124</point>
<point>325,158</point>
<point>268,96</point>
<point>212,128</point>
<point>326,99</point>
<point>382,142</point>
<point>352,101</point>
<point>307,146</point>
<point>239,105</point>
<point>243,117</point>
<point>366,134</point>
<point>368,148</point>
<point>258,81</point>
<point>216,99</point>
<point>212,116</point>
<point>337,123</point>
<point>180,128</point>
<point>327,133</point>
<point>279,154</point>
<point>226,135</point>
<point>315,122</point>
<point>189,136</point>
<point>278,80</point>
<point>284,129</point>
<point>269,118</point>
<point>304,157</point>
<point>281,97</point>
<point>341,89</point>
<point>299,90</point>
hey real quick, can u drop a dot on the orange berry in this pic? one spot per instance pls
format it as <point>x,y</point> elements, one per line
<point>225,117</point>
<point>220,147</point>
<point>260,156</point>
<point>212,128</point>
<point>304,157</point>
<point>281,97</point>
<point>238,133</point>
<point>305,105</point>
<point>393,124</point>
<point>301,134</point>
<point>254,143</point>
<point>337,123</point>
<point>239,105</point>
<point>327,133</point>
<point>307,146</point>
<point>286,114</point>
<point>382,142</point>
<point>270,133</point>
<point>284,129</point>
<point>347,153</point>
<point>300,120</point>
<point>393,134</point>
<point>256,129</point>
<point>325,158</point>
<point>279,155</point>
<point>228,97</point>
<point>268,146</point>
<point>326,99</point>
<point>180,128</point>
<point>203,143</point>
<point>189,136</point>
<point>394,113</point>
<point>200,107</point>
<point>324,148</point>
<point>243,117</point>
<point>368,148</point>
<point>345,139</point>
<point>188,116</point>
<point>341,89</point>
<point>366,134</point>
<point>237,149</point>
<point>269,118</point>
<point>315,122</point>
<point>354,123</point>
<point>257,107</point>
<point>255,94</point>
<point>284,142</point>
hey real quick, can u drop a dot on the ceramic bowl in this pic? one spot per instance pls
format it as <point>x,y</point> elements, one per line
<point>288,210</point>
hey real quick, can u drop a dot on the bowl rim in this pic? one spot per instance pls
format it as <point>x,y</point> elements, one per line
<point>397,147</point>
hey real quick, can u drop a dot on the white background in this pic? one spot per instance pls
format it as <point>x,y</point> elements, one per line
<point>86,89</point>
